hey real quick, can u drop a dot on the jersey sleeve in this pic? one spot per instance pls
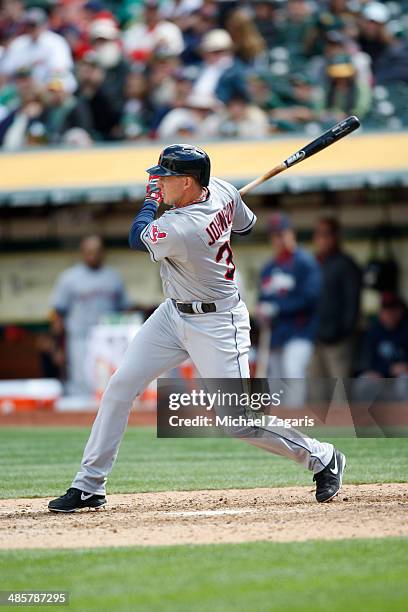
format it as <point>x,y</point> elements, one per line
<point>162,239</point>
<point>244,219</point>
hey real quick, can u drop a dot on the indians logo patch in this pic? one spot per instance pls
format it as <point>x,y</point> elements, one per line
<point>156,234</point>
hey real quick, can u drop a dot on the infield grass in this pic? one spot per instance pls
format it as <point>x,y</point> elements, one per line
<point>39,462</point>
<point>344,575</point>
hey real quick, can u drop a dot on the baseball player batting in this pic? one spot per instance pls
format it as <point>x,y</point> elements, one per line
<point>202,318</point>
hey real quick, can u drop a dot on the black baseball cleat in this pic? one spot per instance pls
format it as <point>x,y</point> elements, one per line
<point>328,481</point>
<point>75,499</point>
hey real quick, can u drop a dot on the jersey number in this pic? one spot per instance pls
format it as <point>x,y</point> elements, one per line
<point>226,248</point>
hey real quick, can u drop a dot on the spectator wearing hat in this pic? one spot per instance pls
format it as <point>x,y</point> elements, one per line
<point>46,52</point>
<point>18,86</point>
<point>222,75</point>
<point>104,37</point>
<point>375,38</point>
<point>192,120</point>
<point>22,124</point>
<point>141,40</point>
<point>104,109</point>
<point>239,119</point>
<point>345,94</point>
<point>63,113</point>
<point>290,286</point>
<point>338,307</point>
<point>385,353</point>
<point>343,44</point>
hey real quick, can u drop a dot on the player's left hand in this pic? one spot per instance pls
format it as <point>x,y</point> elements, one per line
<point>265,311</point>
<point>153,191</point>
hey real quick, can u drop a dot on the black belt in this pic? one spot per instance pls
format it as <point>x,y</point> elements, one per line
<point>203,307</point>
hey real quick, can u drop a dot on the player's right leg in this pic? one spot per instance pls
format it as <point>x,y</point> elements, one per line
<point>225,340</point>
<point>154,350</point>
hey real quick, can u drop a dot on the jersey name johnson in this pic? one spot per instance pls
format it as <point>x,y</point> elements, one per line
<point>221,222</point>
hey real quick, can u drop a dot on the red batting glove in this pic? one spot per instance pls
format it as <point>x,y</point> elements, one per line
<point>153,191</point>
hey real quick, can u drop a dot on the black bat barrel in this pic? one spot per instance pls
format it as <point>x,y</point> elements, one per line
<point>338,131</point>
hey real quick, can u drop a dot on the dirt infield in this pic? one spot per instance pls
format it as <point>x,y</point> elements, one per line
<point>204,517</point>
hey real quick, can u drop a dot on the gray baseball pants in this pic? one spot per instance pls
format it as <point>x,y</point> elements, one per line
<point>218,344</point>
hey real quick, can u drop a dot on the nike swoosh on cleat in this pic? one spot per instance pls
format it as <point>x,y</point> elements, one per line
<point>335,470</point>
<point>85,497</point>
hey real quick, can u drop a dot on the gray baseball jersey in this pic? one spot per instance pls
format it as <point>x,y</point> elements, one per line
<point>83,294</point>
<point>193,244</point>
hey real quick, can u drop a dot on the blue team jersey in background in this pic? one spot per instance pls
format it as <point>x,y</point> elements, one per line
<point>293,283</point>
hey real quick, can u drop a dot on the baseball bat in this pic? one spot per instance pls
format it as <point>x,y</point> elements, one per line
<point>263,352</point>
<point>338,131</point>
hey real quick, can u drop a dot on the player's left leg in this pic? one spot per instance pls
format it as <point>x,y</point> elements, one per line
<point>154,349</point>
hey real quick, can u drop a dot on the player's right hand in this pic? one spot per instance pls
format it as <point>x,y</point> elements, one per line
<point>153,191</point>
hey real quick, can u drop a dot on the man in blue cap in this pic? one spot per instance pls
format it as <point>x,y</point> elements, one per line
<point>290,286</point>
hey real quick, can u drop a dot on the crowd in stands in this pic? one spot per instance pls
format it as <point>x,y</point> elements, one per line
<point>76,72</point>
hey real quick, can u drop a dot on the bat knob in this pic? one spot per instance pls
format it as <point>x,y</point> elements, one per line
<point>354,121</point>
